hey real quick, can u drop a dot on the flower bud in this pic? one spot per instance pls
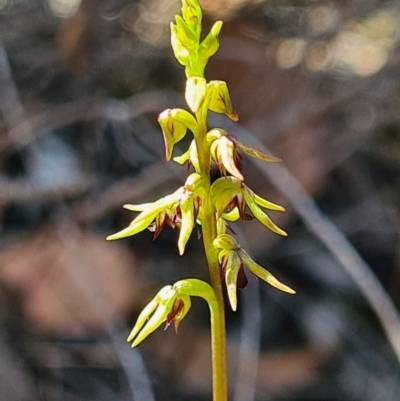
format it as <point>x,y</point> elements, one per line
<point>173,129</point>
<point>220,101</point>
<point>210,45</point>
<point>185,33</point>
<point>192,14</point>
<point>195,93</point>
<point>180,51</point>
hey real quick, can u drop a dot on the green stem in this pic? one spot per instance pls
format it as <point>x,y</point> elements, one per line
<point>209,231</point>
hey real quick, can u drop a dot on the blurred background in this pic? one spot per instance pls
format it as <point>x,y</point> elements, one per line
<point>316,83</point>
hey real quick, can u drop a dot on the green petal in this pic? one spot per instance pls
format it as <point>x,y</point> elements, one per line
<point>261,216</point>
<point>233,215</point>
<point>267,204</point>
<point>182,159</point>
<point>231,273</point>
<point>143,317</point>
<point>226,152</point>
<point>187,223</point>
<point>262,273</point>
<point>140,223</point>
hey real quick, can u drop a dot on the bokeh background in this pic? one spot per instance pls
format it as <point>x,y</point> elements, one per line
<point>316,83</point>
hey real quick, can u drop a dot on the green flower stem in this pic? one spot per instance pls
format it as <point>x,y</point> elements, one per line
<point>218,335</point>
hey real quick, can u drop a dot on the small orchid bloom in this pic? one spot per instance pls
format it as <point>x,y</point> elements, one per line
<point>225,152</point>
<point>174,124</point>
<point>164,307</point>
<point>232,259</point>
<point>219,100</point>
<point>170,305</point>
<point>179,209</point>
<point>229,192</point>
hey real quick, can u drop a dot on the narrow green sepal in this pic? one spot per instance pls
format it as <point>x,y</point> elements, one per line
<point>267,204</point>
<point>262,273</point>
<point>140,223</point>
<point>187,222</point>
<point>258,154</point>
<point>231,274</point>
<point>261,216</point>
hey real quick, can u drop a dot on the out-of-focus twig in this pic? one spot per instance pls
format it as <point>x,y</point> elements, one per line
<point>22,190</point>
<point>11,107</point>
<point>93,109</point>
<point>121,192</point>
